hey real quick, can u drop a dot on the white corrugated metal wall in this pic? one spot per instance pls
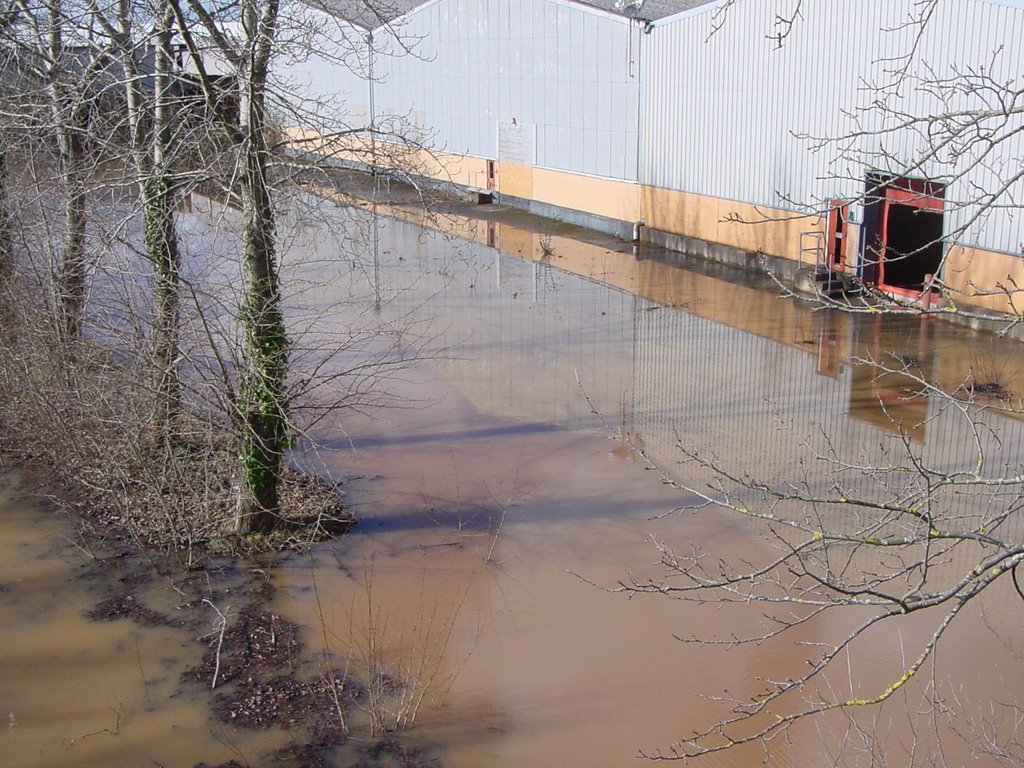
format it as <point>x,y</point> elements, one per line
<point>320,70</point>
<point>560,66</point>
<point>723,116</point>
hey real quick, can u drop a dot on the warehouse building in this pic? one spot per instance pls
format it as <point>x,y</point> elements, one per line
<point>881,138</point>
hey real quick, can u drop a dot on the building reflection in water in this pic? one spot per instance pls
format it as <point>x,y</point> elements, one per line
<point>671,352</point>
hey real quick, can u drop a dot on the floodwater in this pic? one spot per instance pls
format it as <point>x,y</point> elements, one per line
<point>90,693</point>
<point>493,455</point>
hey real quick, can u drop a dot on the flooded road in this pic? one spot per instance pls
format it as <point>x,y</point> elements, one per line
<point>502,498</point>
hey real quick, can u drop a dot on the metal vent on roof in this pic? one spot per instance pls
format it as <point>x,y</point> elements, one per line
<point>629,8</point>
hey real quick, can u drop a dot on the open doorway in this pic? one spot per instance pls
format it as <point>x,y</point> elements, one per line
<point>837,234</point>
<point>902,236</point>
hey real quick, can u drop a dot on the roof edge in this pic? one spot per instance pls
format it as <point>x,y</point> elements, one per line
<point>711,6</point>
<point>582,5</point>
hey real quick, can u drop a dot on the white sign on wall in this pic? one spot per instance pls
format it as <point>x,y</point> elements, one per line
<point>517,143</point>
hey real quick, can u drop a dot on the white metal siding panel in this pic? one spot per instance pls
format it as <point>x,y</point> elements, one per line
<point>730,117</point>
<point>328,88</point>
<point>562,67</point>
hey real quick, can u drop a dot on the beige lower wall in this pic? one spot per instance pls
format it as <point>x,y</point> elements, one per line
<point>516,180</point>
<point>618,200</point>
<point>757,229</point>
<point>776,233</point>
<point>986,279</point>
<point>464,170</point>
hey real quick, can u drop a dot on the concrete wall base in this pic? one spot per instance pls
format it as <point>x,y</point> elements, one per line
<point>614,227</point>
<point>986,322</point>
<point>783,269</point>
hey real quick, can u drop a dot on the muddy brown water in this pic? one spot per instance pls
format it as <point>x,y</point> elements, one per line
<point>501,498</point>
<point>91,693</point>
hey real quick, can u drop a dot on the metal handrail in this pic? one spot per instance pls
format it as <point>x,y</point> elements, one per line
<point>812,242</point>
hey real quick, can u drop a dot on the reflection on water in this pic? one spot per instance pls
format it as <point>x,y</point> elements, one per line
<point>504,481</point>
<point>670,350</point>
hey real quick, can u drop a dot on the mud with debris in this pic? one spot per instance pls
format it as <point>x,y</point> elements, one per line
<point>206,641</point>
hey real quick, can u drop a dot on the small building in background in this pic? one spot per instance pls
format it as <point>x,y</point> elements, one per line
<point>881,139</point>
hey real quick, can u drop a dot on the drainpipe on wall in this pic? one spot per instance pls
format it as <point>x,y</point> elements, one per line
<point>639,115</point>
<point>637,226</point>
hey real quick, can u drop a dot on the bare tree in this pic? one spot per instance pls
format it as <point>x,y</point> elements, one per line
<point>71,116</point>
<point>260,404</point>
<point>57,70</point>
<point>153,143</point>
<point>161,240</point>
<point>8,16</point>
<point>244,44</point>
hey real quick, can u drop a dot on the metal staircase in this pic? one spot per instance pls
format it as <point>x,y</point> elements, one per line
<point>815,275</point>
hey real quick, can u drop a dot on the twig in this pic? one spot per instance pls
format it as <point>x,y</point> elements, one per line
<point>220,637</point>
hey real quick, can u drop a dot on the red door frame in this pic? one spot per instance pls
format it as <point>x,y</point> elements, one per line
<point>837,232</point>
<point>916,193</point>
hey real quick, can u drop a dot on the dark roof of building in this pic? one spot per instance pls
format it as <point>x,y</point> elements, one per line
<point>371,14</point>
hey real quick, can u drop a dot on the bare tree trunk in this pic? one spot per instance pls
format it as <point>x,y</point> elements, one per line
<point>162,251</point>
<point>6,248</point>
<point>71,119</point>
<point>162,241</point>
<point>265,344</point>
<point>73,272</point>
<point>151,136</point>
<point>261,410</point>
